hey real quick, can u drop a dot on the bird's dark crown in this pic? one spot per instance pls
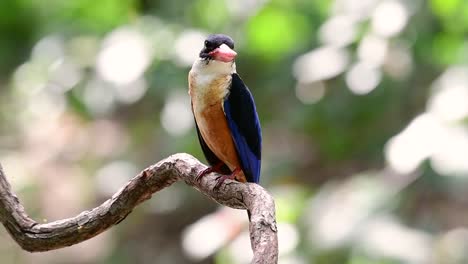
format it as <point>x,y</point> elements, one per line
<point>214,41</point>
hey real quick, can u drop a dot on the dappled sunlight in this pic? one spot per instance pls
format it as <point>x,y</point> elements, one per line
<point>320,64</point>
<point>437,134</point>
<point>176,116</point>
<point>336,213</point>
<point>384,236</point>
<point>362,78</point>
<point>123,57</point>
<point>214,231</point>
<point>389,18</point>
<point>188,46</point>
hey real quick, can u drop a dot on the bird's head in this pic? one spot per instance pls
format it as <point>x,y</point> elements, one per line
<point>218,47</point>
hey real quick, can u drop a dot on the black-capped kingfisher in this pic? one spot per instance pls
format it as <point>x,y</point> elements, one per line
<point>225,114</point>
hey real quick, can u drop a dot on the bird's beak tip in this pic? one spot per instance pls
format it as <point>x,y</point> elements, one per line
<point>224,54</point>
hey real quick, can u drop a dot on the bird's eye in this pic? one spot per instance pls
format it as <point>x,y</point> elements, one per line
<point>207,43</point>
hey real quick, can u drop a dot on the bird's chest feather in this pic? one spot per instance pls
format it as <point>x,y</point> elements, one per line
<point>207,94</point>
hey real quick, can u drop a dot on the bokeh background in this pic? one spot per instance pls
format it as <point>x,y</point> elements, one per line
<point>363,103</point>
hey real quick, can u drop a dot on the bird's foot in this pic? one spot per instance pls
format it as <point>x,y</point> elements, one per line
<point>222,178</point>
<point>215,168</point>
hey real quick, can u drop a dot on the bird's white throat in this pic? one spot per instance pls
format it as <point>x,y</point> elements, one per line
<point>202,66</point>
<point>209,82</point>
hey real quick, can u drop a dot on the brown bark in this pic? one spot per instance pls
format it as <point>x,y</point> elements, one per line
<point>33,236</point>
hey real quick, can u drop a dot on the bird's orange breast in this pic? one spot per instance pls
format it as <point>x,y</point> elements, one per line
<point>207,106</point>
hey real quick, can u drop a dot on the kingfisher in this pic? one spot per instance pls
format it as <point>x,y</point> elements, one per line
<point>225,115</point>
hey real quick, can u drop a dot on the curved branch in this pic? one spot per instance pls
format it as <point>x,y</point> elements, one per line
<point>33,236</point>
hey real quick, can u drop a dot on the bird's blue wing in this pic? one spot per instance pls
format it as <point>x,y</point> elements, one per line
<point>242,117</point>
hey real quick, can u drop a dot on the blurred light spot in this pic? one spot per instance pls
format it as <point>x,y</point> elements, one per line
<point>168,199</point>
<point>359,8</point>
<point>373,49</point>
<point>48,50</point>
<point>83,50</point>
<point>293,259</point>
<point>337,212</point>
<point>113,176</point>
<point>309,93</point>
<point>244,8</point>
<point>64,74</point>
<point>362,78</point>
<point>338,31</point>
<point>29,78</point>
<point>242,244</point>
<point>450,99</point>
<point>398,62</point>
<point>389,18</point>
<point>451,155</point>
<point>288,238</point>
<point>320,64</point>
<point>99,97</point>
<point>213,231</point>
<point>160,36</point>
<point>405,151</point>
<point>18,171</point>
<point>132,92</point>
<point>385,237</point>
<point>451,103</point>
<point>453,247</point>
<point>47,105</point>
<point>106,138</point>
<point>176,116</point>
<point>188,46</point>
<point>123,57</point>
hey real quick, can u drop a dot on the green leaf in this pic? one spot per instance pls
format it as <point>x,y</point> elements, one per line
<point>275,32</point>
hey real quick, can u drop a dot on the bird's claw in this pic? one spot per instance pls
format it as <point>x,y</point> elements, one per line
<point>215,168</point>
<point>204,173</point>
<point>222,178</point>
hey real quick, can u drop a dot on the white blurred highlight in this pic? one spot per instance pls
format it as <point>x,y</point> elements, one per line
<point>451,156</point>
<point>99,97</point>
<point>188,46</point>
<point>437,134</point>
<point>337,212</point>
<point>64,74</point>
<point>359,8</point>
<point>207,235</point>
<point>320,64</point>
<point>450,99</point>
<point>338,30</point>
<point>124,56</point>
<point>405,151</point>
<point>383,236</point>
<point>241,244</point>
<point>389,18</point>
<point>309,93</point>
<point>398,62</point>
<point>132,92</point>
<point>176,116</point>
<point>452,246</point>
<point>362,78</point>
<point>29,79</point>
<point>48,50</point>
<point>114,176</point>
<point>373,49</point>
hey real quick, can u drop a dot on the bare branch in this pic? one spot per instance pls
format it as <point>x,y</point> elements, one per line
<point>33,236</point>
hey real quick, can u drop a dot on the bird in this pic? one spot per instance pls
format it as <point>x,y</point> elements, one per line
<point>225,114</point>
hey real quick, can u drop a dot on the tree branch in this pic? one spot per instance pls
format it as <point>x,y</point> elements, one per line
<point>33,236</point>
